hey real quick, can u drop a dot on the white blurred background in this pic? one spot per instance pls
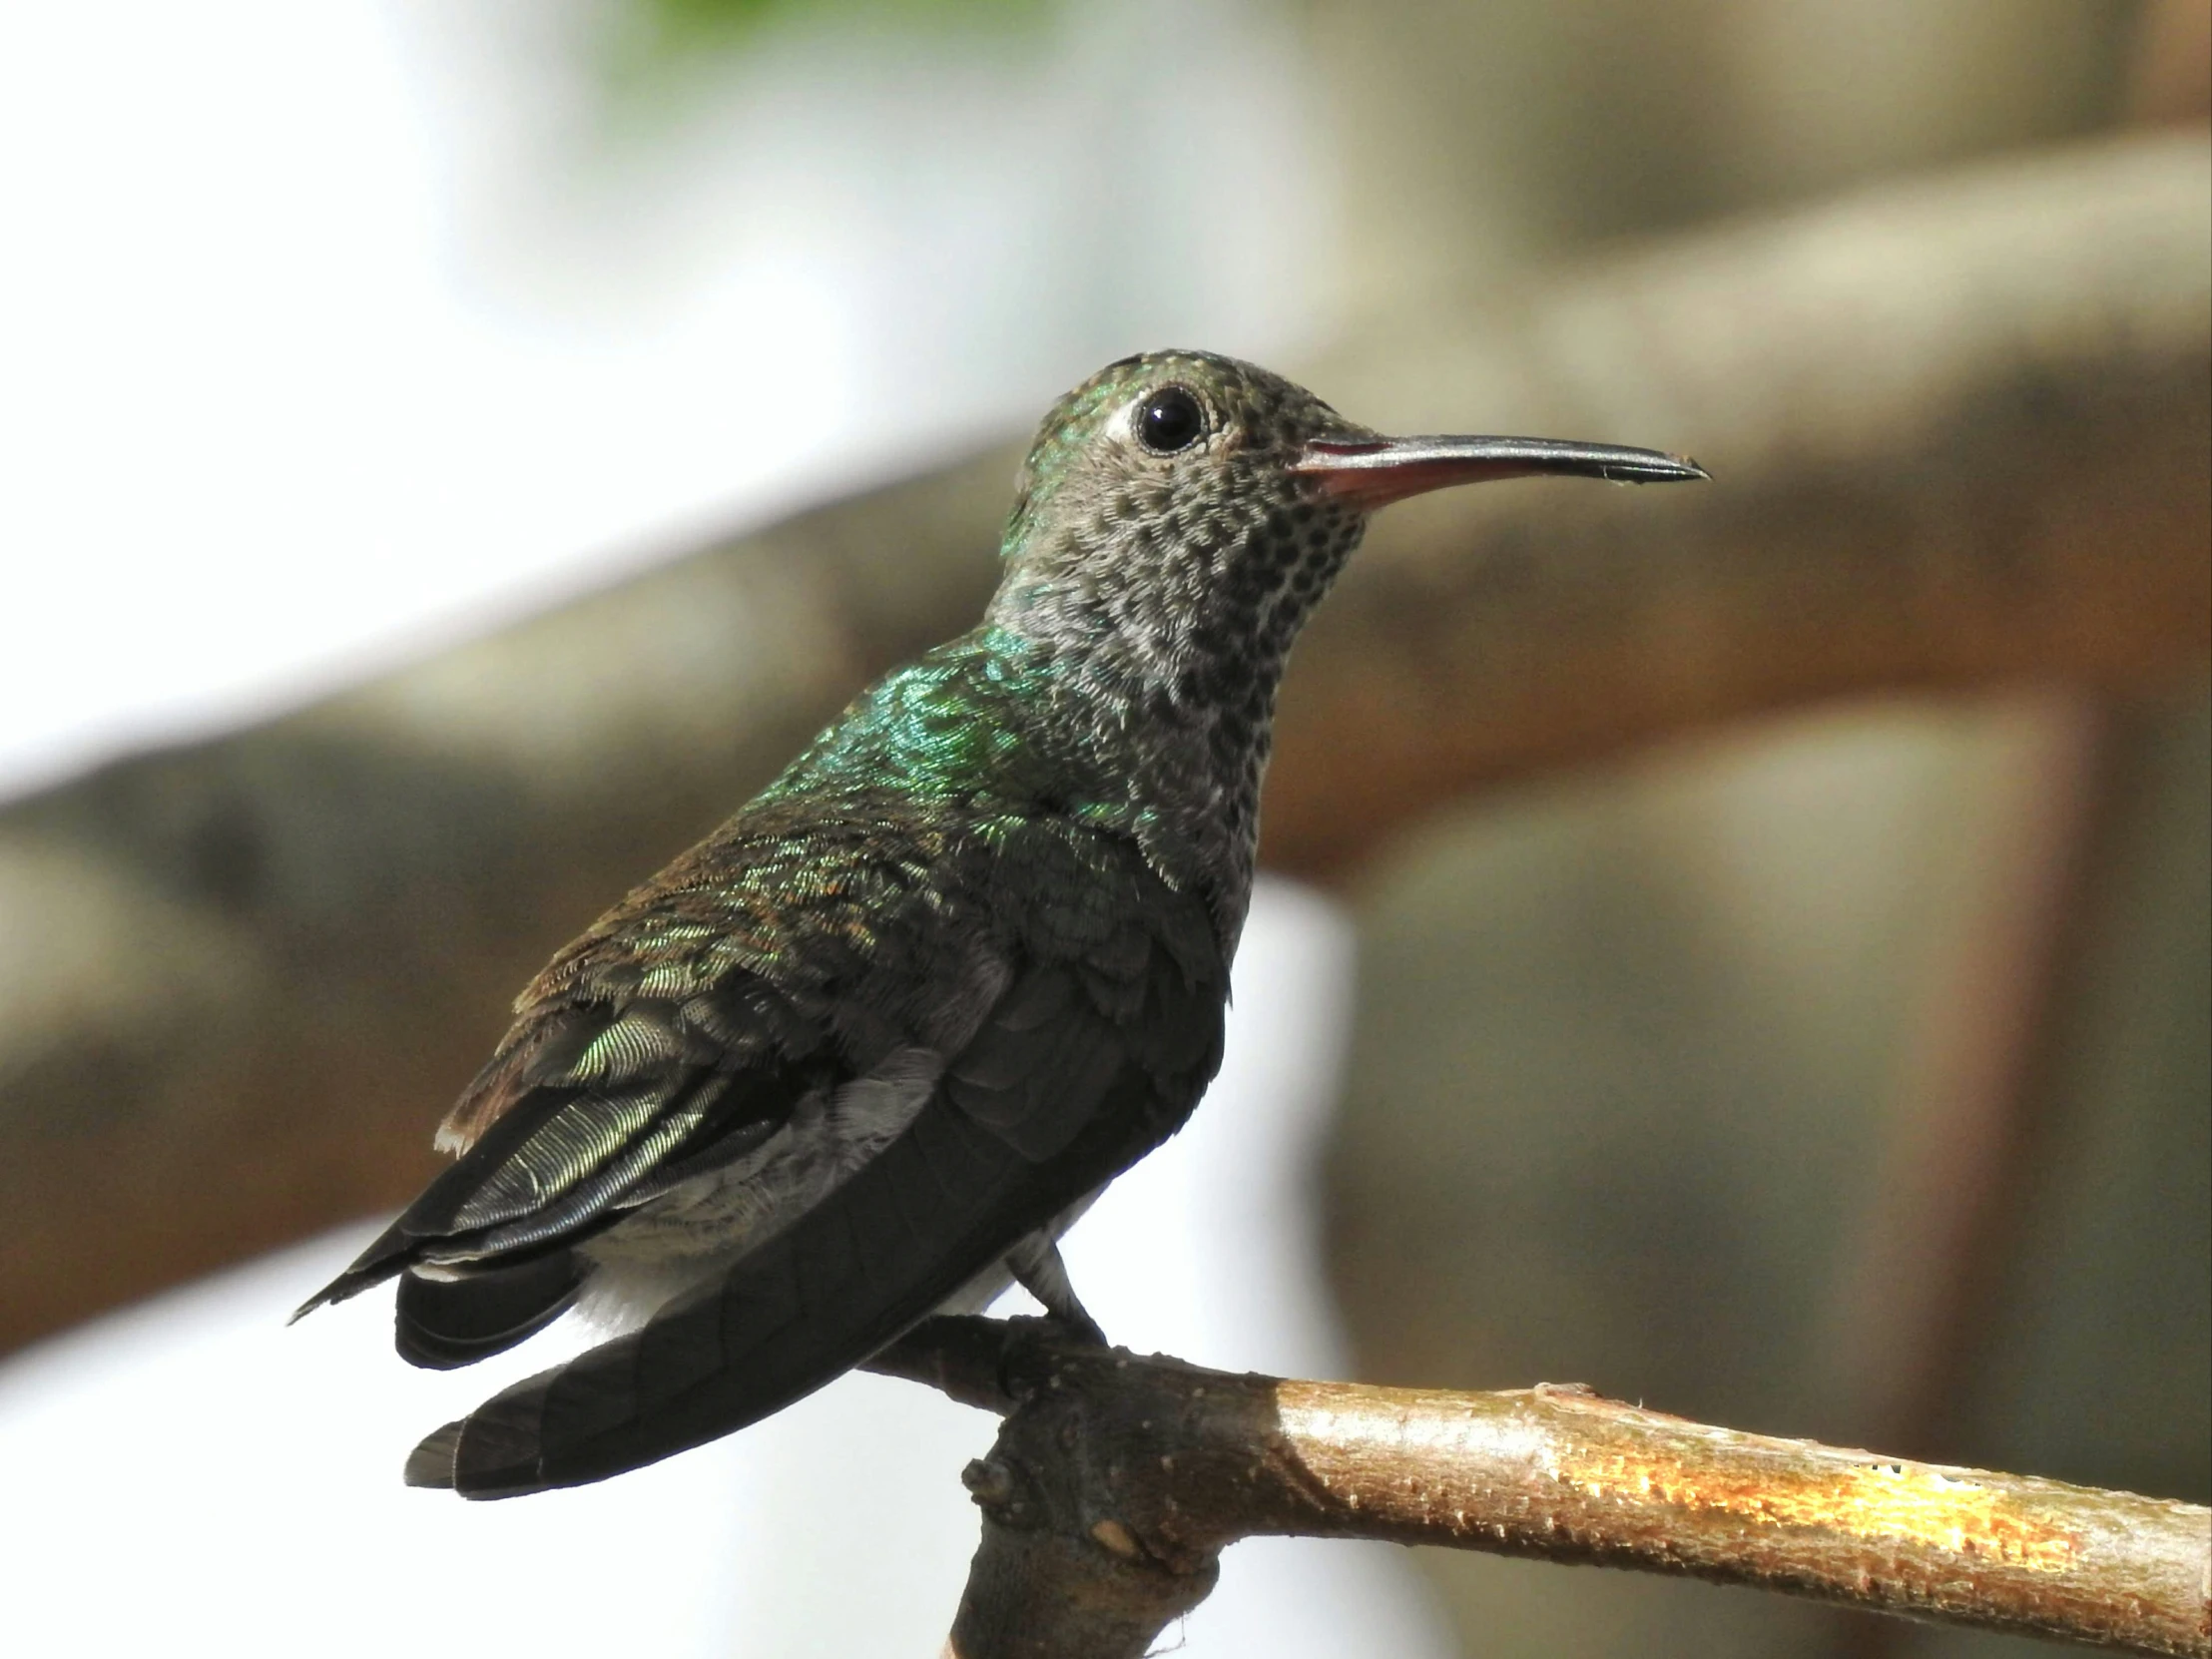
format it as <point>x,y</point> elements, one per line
<point>331,332</point>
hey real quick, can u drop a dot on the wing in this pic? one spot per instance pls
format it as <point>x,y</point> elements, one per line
<point>1093,1055</point>
<point>591,1109</point>
<point>675,1037</point>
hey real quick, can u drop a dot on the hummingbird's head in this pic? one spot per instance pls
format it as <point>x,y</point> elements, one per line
<point>1194,507</point>
<point>1162,501</point>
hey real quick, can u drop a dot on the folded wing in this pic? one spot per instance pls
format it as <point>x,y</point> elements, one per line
<point>590,1109</point>
<point>1088,1059</point>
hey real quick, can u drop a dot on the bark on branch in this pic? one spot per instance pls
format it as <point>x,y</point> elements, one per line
<point>1117,1481</point>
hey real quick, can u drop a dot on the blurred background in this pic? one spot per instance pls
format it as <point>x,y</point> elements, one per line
<point>1747,954</point>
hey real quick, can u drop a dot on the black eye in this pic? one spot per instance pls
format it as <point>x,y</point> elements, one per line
<point>1171,419</point>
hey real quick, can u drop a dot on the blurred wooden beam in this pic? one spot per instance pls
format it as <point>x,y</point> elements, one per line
<point>2170,77</point>
<point>1959,435</point>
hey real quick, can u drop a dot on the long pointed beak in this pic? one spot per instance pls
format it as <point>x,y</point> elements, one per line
<point>1376,471</point>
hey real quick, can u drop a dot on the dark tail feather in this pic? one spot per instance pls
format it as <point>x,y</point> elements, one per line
<point>445,1322</point>
<point>920,1220</point>
<point>431,1464</point>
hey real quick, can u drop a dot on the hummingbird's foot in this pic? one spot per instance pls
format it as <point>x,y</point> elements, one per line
<point>1036,1266</point>
<point>1081,1326</point>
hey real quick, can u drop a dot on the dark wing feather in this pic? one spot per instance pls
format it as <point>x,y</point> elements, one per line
<point>1066,1083</point>
<point>604,1109</point>
<point>674,1037</point>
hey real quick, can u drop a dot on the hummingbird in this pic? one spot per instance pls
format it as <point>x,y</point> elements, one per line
<point>866,1052</point>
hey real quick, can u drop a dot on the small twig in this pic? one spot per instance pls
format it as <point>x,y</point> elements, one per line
<point>1117,1481</point>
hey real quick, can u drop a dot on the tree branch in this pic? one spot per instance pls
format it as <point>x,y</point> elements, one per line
<point>1116,1481</point>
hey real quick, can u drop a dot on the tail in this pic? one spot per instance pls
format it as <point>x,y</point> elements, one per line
<point>908,1229</point>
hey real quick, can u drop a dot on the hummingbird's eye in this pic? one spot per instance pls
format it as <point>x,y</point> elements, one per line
<point>1171,419</point>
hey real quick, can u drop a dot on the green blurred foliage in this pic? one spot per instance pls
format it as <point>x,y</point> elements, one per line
<point>680,27</point>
